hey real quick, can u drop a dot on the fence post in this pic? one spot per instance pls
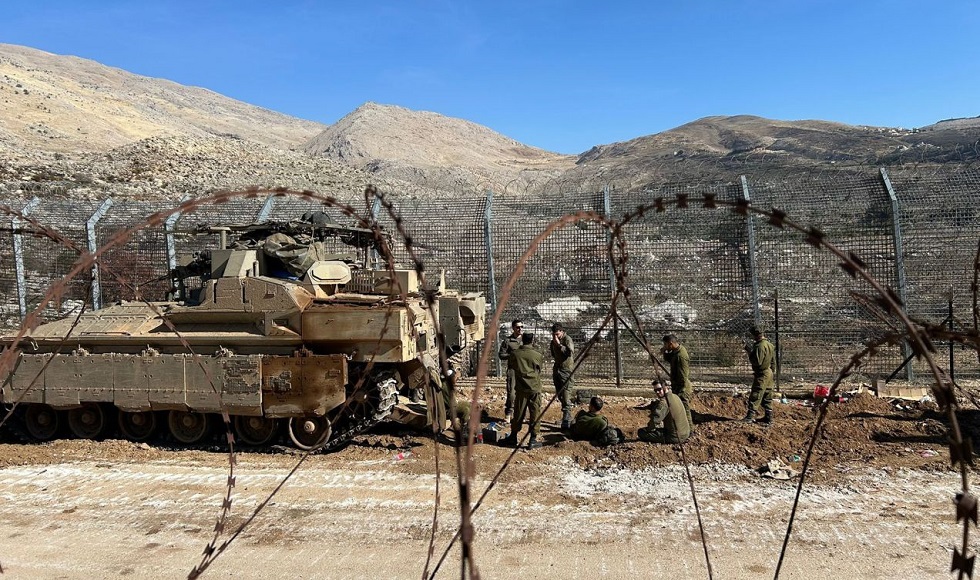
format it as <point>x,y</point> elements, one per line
<point>374,210</point>
<point>753,267</point>
<point>952,329</point>
<point>266,210</point>
<point>168,232</point>
<point>491,274</point>
<point>93,246</point>
<point>899,260</point>
<point>607,211</point>
<point>19,256</point>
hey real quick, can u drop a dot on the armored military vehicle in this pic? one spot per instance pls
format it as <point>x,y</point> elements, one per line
<point>270,327</point>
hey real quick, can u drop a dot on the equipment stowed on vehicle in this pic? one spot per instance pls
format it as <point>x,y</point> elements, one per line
<point>280,330</point>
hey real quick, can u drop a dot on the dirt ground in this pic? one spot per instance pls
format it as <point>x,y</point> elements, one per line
<point>876,505</point>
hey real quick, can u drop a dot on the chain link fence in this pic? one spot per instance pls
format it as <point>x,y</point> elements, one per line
<point>703,274</point>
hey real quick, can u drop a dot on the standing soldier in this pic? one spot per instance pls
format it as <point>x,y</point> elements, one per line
<point>562,350</point>
<point>762,356</point>
<point>526,363</point>
<point>507,347</point>
<point>440,395</point>
<point>680,370</point>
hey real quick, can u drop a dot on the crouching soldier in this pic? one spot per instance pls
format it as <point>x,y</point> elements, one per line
<point>668,419</point>
<point>591,426</point>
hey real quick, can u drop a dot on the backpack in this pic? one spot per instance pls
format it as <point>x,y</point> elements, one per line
<point>609,436</point>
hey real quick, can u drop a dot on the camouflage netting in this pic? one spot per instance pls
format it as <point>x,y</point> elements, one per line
<point>703,274</point>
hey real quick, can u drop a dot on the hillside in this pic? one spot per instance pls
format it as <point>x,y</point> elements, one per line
<point>424,147</point>
<point>66,104</point>
<point>71,126</point>
<point>718,147</point>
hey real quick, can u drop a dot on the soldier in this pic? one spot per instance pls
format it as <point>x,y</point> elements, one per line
<point>668,419</point>
<point>441,395</point>
<point>762,356</point>
<point>589,424</point>
<point>526,363</point>
<point>680,369</point>
<point>562,350</point>
<point>507,347</point>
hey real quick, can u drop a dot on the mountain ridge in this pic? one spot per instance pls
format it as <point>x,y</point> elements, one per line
<point>66,116</point>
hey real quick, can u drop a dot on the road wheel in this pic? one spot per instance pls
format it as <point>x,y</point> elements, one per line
<point>187,426</point>
<point>41,422</point>
<point>138,426</point>
<point>87,421</point>
<point>309,432</point>
<point>255,430</point>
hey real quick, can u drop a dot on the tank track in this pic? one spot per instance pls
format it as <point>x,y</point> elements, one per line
<point>384,397</point>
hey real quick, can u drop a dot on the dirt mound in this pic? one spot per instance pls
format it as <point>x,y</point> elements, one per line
<point>863,431</point>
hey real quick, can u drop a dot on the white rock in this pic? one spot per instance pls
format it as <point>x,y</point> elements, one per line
<point>590,329</point>
<point>564,309</point>
<point>670,311</point>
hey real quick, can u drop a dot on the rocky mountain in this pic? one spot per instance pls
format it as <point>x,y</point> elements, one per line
<point>719,147</point>
<point>74,127</point>
<point>65,103</point>
<point>423,147</point>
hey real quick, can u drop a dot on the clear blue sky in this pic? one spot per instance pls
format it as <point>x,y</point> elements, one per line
<point>561,75</point>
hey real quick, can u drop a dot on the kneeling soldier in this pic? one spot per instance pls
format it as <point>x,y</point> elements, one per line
<point>668,419</point>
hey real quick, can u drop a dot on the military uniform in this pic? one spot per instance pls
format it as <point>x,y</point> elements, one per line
<point>440,397</point>
<point>668,422</point>
<point>561,374</point>
<point>680,381</point>
<point>526,363</point>
<point>588,426</point>
<point>507,347</point>
<point>762,356</point>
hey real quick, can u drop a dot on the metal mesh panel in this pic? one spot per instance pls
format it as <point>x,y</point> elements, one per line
<point>10,309</point>
<point>821,324</point>
<point>690,270</point>
<point>565,281</point>
<point>940,224</point>
<point>139,264</point>
<point>689,275</point>
<point>47,261</point>
<point>447,234</point>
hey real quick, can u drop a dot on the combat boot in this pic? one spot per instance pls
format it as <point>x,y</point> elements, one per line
<point>749,416</point>
<point>767,418</point>
<point>509,441</point>
<point>533,444</point>
<point>566,421</point>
